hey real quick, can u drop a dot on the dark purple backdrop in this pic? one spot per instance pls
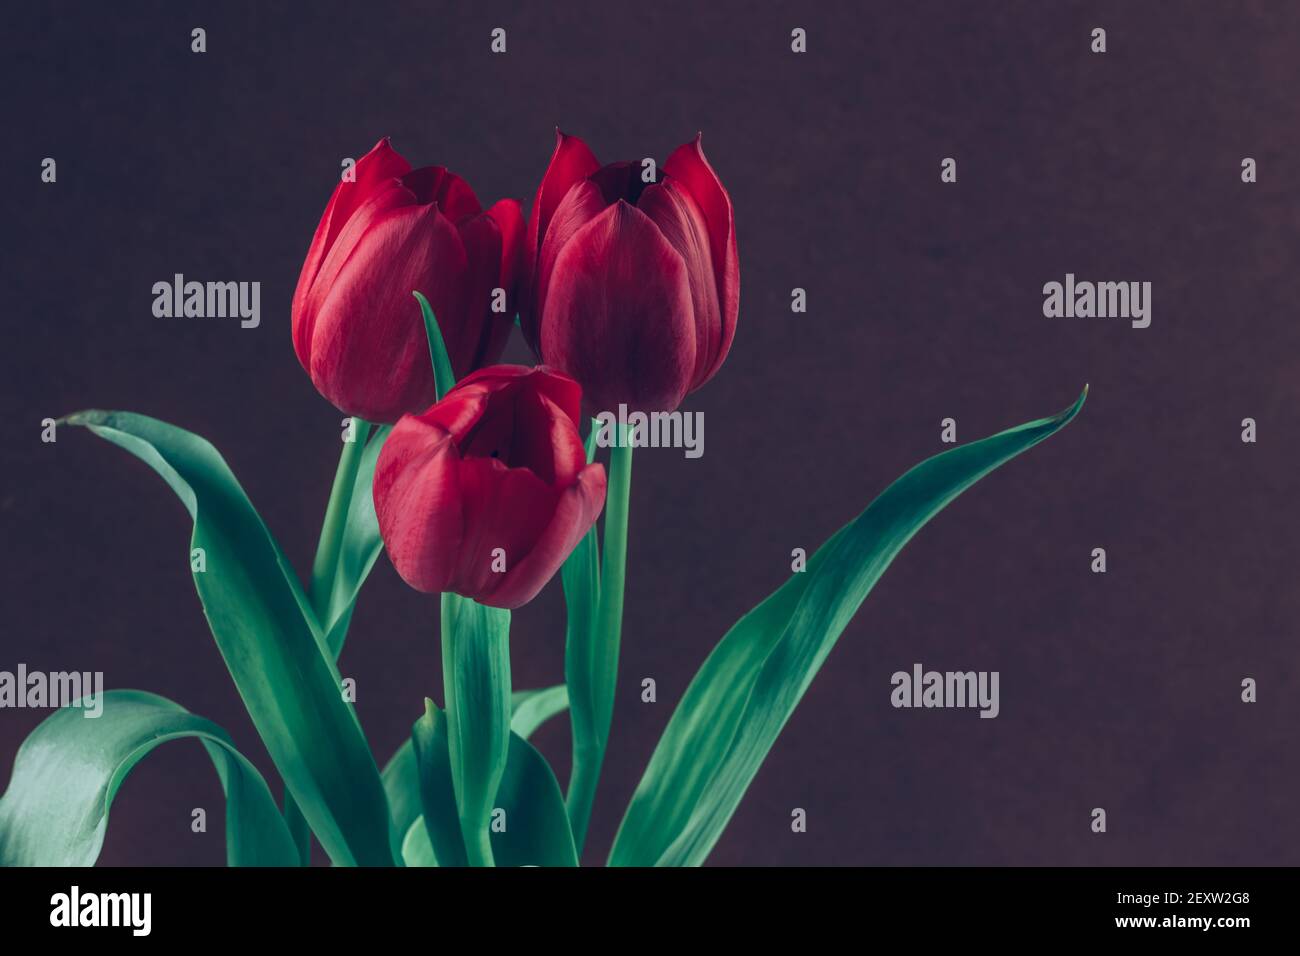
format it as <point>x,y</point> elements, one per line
<point>1118,690</point>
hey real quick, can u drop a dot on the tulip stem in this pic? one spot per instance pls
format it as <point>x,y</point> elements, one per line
<point>589,755</point>
<point>476,683</point>
<point>323,570</point>
<point>326,564</point>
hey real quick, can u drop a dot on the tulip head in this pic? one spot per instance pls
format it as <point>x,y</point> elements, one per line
<point>487,492</point>
<point>633,287</point>
<point>357,330</point>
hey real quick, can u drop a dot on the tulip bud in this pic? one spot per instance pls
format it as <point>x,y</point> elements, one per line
<point>487,492</point>
<point>393,231</point>
<point>633,287</point>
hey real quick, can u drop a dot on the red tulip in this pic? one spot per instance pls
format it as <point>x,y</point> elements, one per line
<point>497,464</point>
<point>357,330</point>
<point>634,288</point>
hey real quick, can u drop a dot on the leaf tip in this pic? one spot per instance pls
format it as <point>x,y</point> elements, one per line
<point>88,416</point>
<point>1067,415</point>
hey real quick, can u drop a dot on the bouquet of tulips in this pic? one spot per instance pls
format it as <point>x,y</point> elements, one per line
<point>476,480</point>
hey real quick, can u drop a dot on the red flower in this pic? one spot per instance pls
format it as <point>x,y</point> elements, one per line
<point>357,330</point>
<point>497,464</point>
<point>634,287</point>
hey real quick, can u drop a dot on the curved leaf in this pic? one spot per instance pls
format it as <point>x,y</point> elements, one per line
<point>537,831</point>
<point>269,638</point>
<point>744,693</point>
<point>529,709</point>
<point>69,769</point>
<point>402,785</point>
<point>416,848</point>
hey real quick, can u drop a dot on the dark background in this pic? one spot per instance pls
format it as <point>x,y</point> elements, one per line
<point>1119,690</point>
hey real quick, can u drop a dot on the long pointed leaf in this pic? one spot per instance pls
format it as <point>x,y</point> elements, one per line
<point>744,693</point>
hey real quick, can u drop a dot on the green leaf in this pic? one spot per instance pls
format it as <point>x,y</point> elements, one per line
<point>537,829</point>
<point>360,547</point>
<point>529,709</point>
<point>476,683</point>
<point>744,693</point>
<point>536,826</point>
<point>437,792</point>
<point>443,376</point>
<point>416,848</point>
<point>401,779</point>
<point>269,638</point>
<point>402,785</point>
<point>69,769</point>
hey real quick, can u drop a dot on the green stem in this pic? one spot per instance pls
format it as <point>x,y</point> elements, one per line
<point>589,755</point>
<point>336,519</point>
<point>322,585</point>
<point>581,795</point>
<point>476,683</point>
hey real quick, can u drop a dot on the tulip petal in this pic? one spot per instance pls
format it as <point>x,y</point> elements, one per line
<point>583,203</point>
<point>560,389</point>
<point>504,508</point>
<point>437,184</point>
<point>623,180</point>
<point>517,424</point>
<point>417,502</point>
<point>547,440</point>
<point>481,338</point>
<point>494,375</point>
<point>374,171</point>
<point>687,163</point>
<point>509,217</point>
<point>554,384</point>
<point>682,222</point>
<point>575,512</point>
<point>618,314</point>
<point>369,352</point>
<point>461,415</point>
<point>571,162</point>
